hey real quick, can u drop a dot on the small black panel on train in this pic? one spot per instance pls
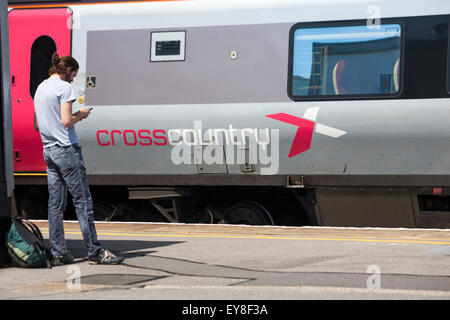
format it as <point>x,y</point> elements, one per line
<point>168,48</point>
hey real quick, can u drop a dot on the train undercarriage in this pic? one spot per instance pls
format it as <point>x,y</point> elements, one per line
<point>342,206</point>
<point>226,205</point>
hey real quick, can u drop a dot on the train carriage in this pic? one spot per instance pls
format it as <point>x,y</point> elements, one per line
<point>258,112</point>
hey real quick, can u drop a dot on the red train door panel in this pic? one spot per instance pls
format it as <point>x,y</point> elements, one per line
<point>34,34</point>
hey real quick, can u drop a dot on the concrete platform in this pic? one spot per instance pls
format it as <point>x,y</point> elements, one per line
<point>191,262</point>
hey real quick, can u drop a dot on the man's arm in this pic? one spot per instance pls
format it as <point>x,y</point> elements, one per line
<point>36,126</point>
<point>67,118</point>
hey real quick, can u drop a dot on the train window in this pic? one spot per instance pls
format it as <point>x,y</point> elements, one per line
<point>345,61</point>
<point>41,60</point>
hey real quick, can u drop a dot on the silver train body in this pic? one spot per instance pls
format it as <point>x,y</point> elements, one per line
<point>202,95</point>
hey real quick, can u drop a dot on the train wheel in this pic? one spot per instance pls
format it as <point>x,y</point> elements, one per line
<point>248,212</point>
<point>103,211</point>
<point>28,207</point>
<point>33,205</point>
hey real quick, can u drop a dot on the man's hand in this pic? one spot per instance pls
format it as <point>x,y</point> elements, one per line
<point>84,113</point>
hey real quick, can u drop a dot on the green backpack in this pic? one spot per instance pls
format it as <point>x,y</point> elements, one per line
<point>26,245</point>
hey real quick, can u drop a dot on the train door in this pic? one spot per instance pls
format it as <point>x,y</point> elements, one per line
<point>34,34</point>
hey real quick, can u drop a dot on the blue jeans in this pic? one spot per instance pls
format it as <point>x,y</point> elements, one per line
<point>66,171</point>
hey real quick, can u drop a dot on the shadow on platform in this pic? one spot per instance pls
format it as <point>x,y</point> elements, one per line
<point>124,248</point>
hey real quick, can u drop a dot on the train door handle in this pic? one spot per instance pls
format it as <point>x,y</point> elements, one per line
<point>17,155</point>
<point>13,80</point>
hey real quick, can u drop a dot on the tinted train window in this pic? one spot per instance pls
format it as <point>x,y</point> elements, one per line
<point>347,60</point>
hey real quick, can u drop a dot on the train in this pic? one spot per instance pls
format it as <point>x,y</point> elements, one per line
<point>259,112</point>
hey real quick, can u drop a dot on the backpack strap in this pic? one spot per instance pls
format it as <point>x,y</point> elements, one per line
<point>33,228</point>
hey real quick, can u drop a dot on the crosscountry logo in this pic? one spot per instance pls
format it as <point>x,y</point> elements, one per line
<point>302,140</point>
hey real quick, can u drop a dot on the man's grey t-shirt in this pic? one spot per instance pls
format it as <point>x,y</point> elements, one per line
<point>49,96</point>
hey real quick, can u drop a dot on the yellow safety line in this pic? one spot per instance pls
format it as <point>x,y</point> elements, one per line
<point>137,233</point>
<point>260,237</point>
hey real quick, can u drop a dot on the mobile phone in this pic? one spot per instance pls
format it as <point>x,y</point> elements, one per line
<point>90,108</point>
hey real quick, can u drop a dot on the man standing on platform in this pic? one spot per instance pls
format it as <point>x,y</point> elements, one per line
<point>65,166</point>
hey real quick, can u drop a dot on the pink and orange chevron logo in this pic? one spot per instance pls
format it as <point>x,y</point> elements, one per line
<point>306,125</point>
